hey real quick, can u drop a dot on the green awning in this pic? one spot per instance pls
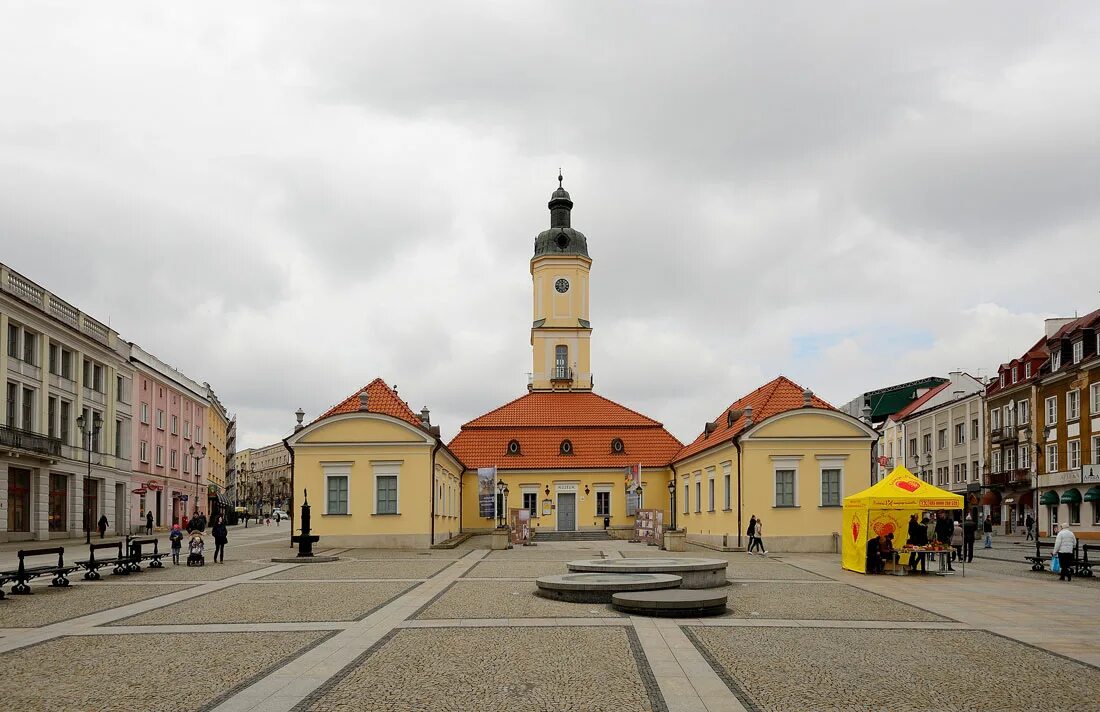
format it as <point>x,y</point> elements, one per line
<point>1049,498</point>
<point>1071,496</point>
<point>1093,495</point>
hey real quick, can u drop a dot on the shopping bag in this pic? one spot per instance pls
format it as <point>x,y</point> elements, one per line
<point>1055,564</point>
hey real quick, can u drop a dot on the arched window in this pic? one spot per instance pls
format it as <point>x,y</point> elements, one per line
<point>561,361</point>
<point>513,447</point>
<point>566,448</point>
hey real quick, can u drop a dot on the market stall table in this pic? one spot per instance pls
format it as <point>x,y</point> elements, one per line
<point>942,561</point>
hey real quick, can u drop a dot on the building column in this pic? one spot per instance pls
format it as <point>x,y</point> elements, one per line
<point>4,395</point>
<point>40,503</point>
<point>106,499</point>
<point>76,504</point>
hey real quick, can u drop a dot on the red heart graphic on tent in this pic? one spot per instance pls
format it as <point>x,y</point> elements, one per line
<point>908,485</point>
<point>855,531</point>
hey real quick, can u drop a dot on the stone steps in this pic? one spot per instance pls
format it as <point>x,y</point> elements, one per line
<point>571,536</point>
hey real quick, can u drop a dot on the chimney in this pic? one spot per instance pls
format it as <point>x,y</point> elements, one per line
<point>363,400</point>
<point>867,413</point>
<point>748,415</point>
<point>807,397</point>
<point>300,414</point>
<point>1053,325</point>
<point>425,417</point>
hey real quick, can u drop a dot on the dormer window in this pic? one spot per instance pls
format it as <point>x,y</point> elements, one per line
<point>617,446</point>
<point>1015,373</point>
<point>1027,370</point>
<point>729,418</point>
<point>1055,360</point>
<point>513,447</point>
<point>566,448</point>
<point>1002,379</point>
<point>1078,351</point>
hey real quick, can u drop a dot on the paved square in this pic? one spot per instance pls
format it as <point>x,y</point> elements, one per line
<point>544,669</point>
<point>767,570</point>
<point>517,569</point>
<point>154,672</point>
<point>171,572</point>
<point>798,669</point>
<point>404,553</point>
<point>818,601</point>
<point>51,605</point>
<point>276,603</point>
<point>507,599</point>
<point>358,569</point>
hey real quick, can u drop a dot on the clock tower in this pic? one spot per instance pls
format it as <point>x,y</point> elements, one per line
<point>561,333</point>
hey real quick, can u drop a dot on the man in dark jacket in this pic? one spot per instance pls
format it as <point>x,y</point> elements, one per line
<point>944,528</point>
<point>970,531</point>
<point>918,536</point>
<point>987,527</point>
<point>149,522</point>
<point>221,536</point>
<point>1030,523</point>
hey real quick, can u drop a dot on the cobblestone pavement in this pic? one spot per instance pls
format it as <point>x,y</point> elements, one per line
<point>517,569</point>
<point>536,554</point>
<point>507,599</point>
<point>818,601</point>
<point>1019,567</point>
<point>140,672</point>
<point>171,572</point>
<point>404,553</point>
<point>276,603</point>
<point>546,669</point>
<point>810,669</point>
<point>746,567</point>
<point>373,569</point>
<point>50,605</point>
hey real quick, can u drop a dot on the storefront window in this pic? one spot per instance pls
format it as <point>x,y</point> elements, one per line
<point>19,500</point>
<point>59,501</point>
<point>1074,513</point>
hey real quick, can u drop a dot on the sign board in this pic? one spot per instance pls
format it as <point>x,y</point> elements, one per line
<point>519,524</point>
<point>486,491</point>
<point>140,490</point>
<point>183,498</point>
<point>1090,473</point>
<point>1068,477</point>
<point>649,526</point>
<point>883,460</point>
<point>153,485</point>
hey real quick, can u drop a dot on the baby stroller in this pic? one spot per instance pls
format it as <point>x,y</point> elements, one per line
<point>194,550</point>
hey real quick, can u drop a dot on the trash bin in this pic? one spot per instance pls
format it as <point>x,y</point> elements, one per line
<point>606,522</point>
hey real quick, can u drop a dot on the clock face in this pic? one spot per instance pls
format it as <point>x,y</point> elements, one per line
<point>562,285</point>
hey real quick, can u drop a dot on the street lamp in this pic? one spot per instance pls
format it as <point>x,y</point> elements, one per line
<point>191,452</point>
<point>672,502</point>
<point>502,489</point>
<point>88,432</point>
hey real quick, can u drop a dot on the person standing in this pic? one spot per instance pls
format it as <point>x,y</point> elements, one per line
<point>176,539</point>
<point>957,542</point>
<point>930,535</point>
<point>1029,523</point>
<point>221,536</point>
<point>987,527</point>
<point>1064,545</point>
<point>102,526</point>
<point>149,522</point>
<point>751,532</point>
<point>945,528</point>
<point>970,531</point>
<point>918,536</point>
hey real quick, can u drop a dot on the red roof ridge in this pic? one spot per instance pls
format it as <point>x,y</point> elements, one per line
<point>380,399</point>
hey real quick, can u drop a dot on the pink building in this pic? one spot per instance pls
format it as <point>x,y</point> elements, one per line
<point>168,469</point>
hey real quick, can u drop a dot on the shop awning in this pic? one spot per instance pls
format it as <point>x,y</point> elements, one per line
<point>1071,496</point>
<point>1049,498</point>
<point>1093,495</point>
<point>991,498</point>
<point>1025,499</point>
<point>222,499</point>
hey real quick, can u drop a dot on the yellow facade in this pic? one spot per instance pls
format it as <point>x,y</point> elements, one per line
<point>360,448</point>
<point>561,319</point>
<point>807,441</point>
<point>217,426</point>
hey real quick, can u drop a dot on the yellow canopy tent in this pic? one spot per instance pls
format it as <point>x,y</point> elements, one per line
<point>884,507</point>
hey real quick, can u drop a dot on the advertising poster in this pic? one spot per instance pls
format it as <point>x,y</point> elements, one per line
<point>519,521</point>
<point>645,526</point>
<point>486,491</point>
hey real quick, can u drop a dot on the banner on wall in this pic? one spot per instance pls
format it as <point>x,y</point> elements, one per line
<point>486,491</point>
<point>633,489</point>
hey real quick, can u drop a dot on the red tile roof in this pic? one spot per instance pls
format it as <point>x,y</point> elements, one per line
<point>540,421</point>
<point>380,399</point>
<point>776,396</point>
<point>897,417</point>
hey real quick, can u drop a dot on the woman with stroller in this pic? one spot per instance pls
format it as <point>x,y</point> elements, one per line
<point>195,548</point>
<point>221,536</point>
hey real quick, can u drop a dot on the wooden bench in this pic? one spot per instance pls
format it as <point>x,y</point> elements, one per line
<point>120,562</point>
<point>24,574</point>
<point>1038,561</point>
<point>136,556</point>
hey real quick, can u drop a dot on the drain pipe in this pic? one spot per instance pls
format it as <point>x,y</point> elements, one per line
<point>672,499</point>
<point>435,449</point>
<point>737,444</point>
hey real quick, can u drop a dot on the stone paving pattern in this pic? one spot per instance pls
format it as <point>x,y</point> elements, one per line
<point>819,669</point>
<point>359,569</point>
<point>517,569</point>
<point>544,669</point>
<point>768,570</point>
<point>171,572</point>
<point>152,673</point>
<point>51,605</point>
<point>506,599</point>
<point>276,603</point>
<point>818,601</point>
<point>404,553</point>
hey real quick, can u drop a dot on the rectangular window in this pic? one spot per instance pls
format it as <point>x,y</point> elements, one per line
<point>1015,373</point>
<point>941,438</point>
<point>960,433</point>
<point>561,362</point>
<point>1023,412</point>
<point>98,384</point>
<point>603,504</point>
<point>830,487</point>
<point>698,495</point>
<point>1008,416</point>
<point>55,359</point>
<point>912,446</point>
<point>974,471</point>
<point>726,486</point>
<point>784,488</point>
<point>67,364</point>
<point>1002,381</point>
<point>1025,457</point>
<point>337,494</point>
<point>12,404</point>
<point>160,456</point>
<point>13,341</point>
<point>160,419</point>
<point>1096,454</point>
<point>387,494</point>
<point>710,494</point>
<point>995,419</point>
<point>143,451</point>
<point>1055,360</point>
<point>955,473</point>
<point>186,465</point>
<point>1052,410</point>
<point>145,413</point>
<point>1073,404</point>
<point>1010,458</point>
<point>962,469</point>
<point>172,458</point>
<point>30,347</point>
<point>974,429</point>
<point>531,503</point>
<point>995,461</point>
<point>64,421</point>
<point>1027,370</point>
<point>1094,397</point>
<point>927,442</point>
<point>187,430</point>
<point>1078,351</point>
<point>59,502</point>
<point>1074,512</point>
<point>51,417</point>
<point>687,496</point>
<point>175,425</point>
<point>1052,457</point>
<point>28,409</point>
<point>1073,454</point>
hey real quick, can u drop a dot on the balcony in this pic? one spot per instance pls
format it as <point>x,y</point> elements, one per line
<point>562,374</point>
<point>1001,434</point>
<point>1009,478</point>
<point>26,440</point>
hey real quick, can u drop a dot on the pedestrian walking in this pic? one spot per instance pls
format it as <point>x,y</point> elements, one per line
<point>1029,523</point>
<point>751,532</point>
<point>102,526</point>
<point>149,522</point>
<point>918,536</point>
<point>221,536</point>
<point>1064,545</point>
<point>970,531</point>
<point>176,539</point>
<point>987,527</point>
<point>758,540</point>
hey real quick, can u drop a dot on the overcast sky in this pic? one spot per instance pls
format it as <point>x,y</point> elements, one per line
<point>288,200</point>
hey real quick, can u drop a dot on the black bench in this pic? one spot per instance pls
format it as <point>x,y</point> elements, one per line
<point>120,562</point>
<point>24,573</point>
<point>1082,566</point>
<point>136,556</point>
<point>1038,560</point>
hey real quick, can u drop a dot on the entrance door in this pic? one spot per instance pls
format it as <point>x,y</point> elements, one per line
<point>567,512</point>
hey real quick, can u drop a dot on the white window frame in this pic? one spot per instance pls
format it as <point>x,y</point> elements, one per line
<point>1094,398</point>
<point>145,413</point>
<point>786,463</point>
<point>698,491</point>
<point>995,461</point>
<point>1078,350</point>
<point>1052,457</point>
<point>710,488</point>
<point>827,463</point>
<point>941,439</point>
<point>1015,373</point>
<point>1025,457</point>
<point>1073,454</point>
<point>1002,379</point>
<point>388,468</point>
<point>532,489</point>
<point>960,433</point>
<point>1023,412</point>
<point>143,451</point>
<point>1073,404</point>
<point>1096,456</point>
<point>1027,370</point>
<point>995,419</point>
<point>1006,417</point>
<point>610,500</point>
<point>1051,405</point>
<point>687,494</point>
<point>159,462</point>
<point>1010,459</point>
<point>336,469</point>
<point>727,485</point>
<point>1056,360</point>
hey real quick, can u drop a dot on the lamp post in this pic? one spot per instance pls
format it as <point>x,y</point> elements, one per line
<point>88,431</point>
<point>502,490</point>
<point>672,503</point>
<point>198,460</point>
